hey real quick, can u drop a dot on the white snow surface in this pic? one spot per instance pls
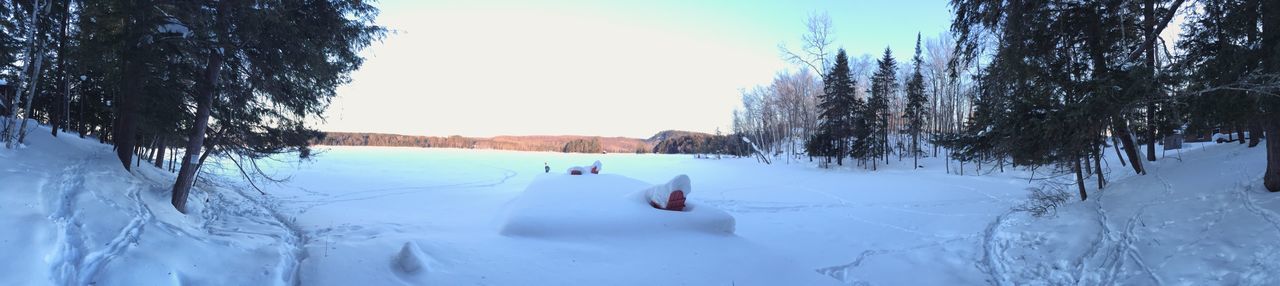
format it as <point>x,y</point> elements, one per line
<point>606,206</point>
<point>407,216</point>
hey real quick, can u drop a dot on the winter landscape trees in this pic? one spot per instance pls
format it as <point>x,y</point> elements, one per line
<point>1047,85</point>
<point>1028,83</point>
<point>235,78</point>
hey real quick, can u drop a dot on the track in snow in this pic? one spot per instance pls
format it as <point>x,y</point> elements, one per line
<point>76,262</point>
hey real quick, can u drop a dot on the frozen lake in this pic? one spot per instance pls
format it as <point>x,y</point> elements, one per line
<point>792,219</point>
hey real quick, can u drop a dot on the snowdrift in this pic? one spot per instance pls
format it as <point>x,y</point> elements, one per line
<point>602,205</point>
<point>71,216</point>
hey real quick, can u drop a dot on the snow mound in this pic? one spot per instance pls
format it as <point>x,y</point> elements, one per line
<point>602,205</point>
<point>410,260</point>
<point>660,195</point>
<point>594,168</point>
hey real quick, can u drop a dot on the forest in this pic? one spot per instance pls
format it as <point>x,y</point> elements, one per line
<point>179,81</point>
<point>1043,85</point>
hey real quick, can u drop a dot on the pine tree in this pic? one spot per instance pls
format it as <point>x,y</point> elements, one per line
<point>1061,75</point>
<point>835,112</point>
<point>1233,72</point>
<point>279,71</point>
<point>883,84</point>
<point>916,100</point>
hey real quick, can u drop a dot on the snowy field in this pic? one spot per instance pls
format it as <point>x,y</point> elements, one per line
<point>407,216</point>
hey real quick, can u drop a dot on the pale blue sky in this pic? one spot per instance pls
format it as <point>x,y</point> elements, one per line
<point>624,68</point>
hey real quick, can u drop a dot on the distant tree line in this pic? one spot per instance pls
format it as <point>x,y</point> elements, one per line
<point>582,146</point>
<point>666,142</point>
<point>700,143</point>
<point>393,140</point>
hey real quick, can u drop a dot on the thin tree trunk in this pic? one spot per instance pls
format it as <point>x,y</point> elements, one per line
<point>1240,133</point>
<point>1087,165</point>
<point>1271,64</point>
<point>33,79</point>
<point>1149,25</point>
<point>1272,178</point>
<point>80,125</point>
<point>1097,165</point>
<point>160,148</point>
<point>58,118</point>
<point>1079,178</point>
<point>1255,133</point>
<point>23,77</point>
<point>31,93</point>
<point>1115,142</point>
<point>1121,129</point>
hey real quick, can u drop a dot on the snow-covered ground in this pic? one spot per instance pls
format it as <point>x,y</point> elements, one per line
<point>390,216</point>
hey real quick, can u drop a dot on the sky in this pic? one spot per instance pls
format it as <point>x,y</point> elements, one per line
<point>601,68</point>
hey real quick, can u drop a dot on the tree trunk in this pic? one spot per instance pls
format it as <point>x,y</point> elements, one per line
<point>131,76</point>
<point>1271,64</point>
<point>915,147</point>
<point>186,175</point>
<point>31,93</point>
<point>160,154</point>
<point>1115,142</point>
<point>1240,133</point>
<point>1087,165</point>
<point>1097,166</point>
<point>1121,130</point>
<point>1255,134</point>
<point>1079,178</point>
<point>58,118</point>
<point>1149,23</point>
<point>23,77</point>
<point>1272,178</point>
<point>80,125</point>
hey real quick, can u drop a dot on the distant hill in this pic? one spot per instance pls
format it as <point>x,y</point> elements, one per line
<point>665,142</point>
<point>517,143</point>
<point>668,134</point>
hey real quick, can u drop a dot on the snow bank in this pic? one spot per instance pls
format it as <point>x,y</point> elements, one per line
<point>602,205</point>
<point>594,168</point>
<point>660,195</point>
<point>71,215</point>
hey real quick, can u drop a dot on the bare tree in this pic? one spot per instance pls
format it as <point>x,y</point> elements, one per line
<point>31,72</point>
<point>817,42</point>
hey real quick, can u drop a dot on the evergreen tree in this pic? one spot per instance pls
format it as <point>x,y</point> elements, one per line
<point>1231,73</point>
<point>916,100</point>
<point>1060,76</point>
<point>835,112</point>
<point>271,67</point>
<point>884,83</point>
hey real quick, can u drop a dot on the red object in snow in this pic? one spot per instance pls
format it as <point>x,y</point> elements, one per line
<point>595,169</point>
<point>675,202</point>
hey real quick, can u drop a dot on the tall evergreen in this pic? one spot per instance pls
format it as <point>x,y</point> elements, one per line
<point>916,100</point>
<point>1060,77</point>
<point>267,69</point>
<point>836,106</point>
<point>884,83</point>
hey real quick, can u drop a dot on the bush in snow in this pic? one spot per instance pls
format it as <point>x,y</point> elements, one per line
<point>1044,201</point>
